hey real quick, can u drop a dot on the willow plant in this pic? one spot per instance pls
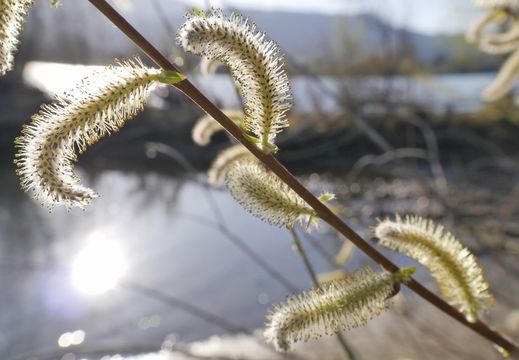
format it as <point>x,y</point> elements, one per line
<point>12,17</point>
<point>99,105</point>
<point>337,305</point>
<point>103,102</point>
<point>504,13</point>
<point>254,63</point>
<point>451,264</point>
<point>206,126</point>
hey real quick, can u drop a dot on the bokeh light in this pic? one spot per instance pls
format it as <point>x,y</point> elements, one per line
<point>98,267</point>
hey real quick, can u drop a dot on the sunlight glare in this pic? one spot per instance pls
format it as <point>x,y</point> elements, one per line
<point>98,267</point>
<point>55,78</point>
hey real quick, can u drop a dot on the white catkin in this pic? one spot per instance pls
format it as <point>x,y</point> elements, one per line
<point>336,306</point>
<point>497,3</point>
<point>99,105</point>
<point>12,17</point>
<point>500,43</point>
<point>254,62</point>
<point>475,30</point>
<point>225,161</point>
<point>490,46</point>
<point>504,80</point>
<point>206,126</point>
<point>452,265</point>
<point>209,66</point>
<point>265,196</point>
<point>512,34</point>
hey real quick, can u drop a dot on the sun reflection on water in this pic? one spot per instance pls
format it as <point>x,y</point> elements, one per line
<point>98,267</point>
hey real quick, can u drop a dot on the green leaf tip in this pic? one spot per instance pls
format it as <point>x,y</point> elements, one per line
<point>269,148</point>
<point>404,274</point>
<point>326,197</point>
<point>502,351</point>
<point>171,77</point>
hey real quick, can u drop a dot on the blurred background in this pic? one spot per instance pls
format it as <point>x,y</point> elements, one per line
<point>388,115</point>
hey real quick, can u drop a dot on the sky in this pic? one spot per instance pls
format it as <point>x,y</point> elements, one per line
<point>431,17</point>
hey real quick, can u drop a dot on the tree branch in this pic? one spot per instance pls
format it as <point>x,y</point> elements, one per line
<point>276,167</point>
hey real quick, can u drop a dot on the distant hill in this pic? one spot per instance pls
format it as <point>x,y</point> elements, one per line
<point>75,32</point>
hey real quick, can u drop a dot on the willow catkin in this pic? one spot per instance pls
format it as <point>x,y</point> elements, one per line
<point>501,43</point>
<point>491,46</point>
<point>475,30</point>
<point>512,34</point>
<point>209,66</point>
<point>225,160</point>
<point>99,105</point>
<point>452,265</point>
<point>265,196</point>
<point>335,306</point>
<point>255,65</point>
<point>12,17</point>
<point>505,78</point>
<point>497,3</point>
<point>206,126</point>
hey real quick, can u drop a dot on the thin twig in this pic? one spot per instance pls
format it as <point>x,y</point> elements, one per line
<point>220,225</point>
<point>329,258</point>
<point>301,251</point>
<point>440,181</point>
<point>277,168</point>
<point>184,305</point>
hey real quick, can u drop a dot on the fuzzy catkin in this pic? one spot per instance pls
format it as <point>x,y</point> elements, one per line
<point>475,30</point>
<point>490,46</point>
<point>254,62</point>
<point>206,126</point>
<point>497,3</point>
<point>453,267</point>
<point>335,306</point>
<point>12,17</point>
<point>265,196</point>
<point>512,34</point>
<point>99,105</point>
<point>505,78</point>
<point>499,43</point>
<point>225,161</point>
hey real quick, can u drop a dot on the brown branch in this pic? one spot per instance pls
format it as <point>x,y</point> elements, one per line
<point>276,167</point>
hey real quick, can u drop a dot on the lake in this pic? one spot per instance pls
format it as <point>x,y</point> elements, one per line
<point>187,278</point>
<point>459,92</point>
<point>163,226</point>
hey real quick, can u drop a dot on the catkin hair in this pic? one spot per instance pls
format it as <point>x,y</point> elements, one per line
<point>206,126</point>
<point>453,267</point>
<point>99,105</point>
<point>254,63</point>
<point>12,17</point>
<point>225,160</point>
<point>265,196</point>
<point>497,3</point>
<point>475,31</point>
<point>335,306</point>
<point>505,78</point>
